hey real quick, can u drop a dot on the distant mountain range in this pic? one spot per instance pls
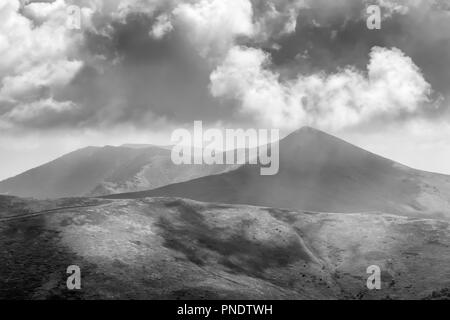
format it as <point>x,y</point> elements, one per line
<point>95,171</point>
<point>319,172</point>
<point>253,237</point>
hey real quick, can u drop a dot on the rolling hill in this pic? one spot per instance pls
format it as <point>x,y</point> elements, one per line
<point>319,172</point>
<point>170,248</point>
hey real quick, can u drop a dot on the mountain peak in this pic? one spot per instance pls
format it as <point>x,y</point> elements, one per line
<point>310,135</point>
<point>308,131</point>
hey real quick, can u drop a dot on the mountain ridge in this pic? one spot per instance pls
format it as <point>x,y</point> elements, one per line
<point>96,171</point>
<point>323,173</point>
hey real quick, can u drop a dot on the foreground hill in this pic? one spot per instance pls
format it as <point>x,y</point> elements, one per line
<point>319,172</point>
<point>169,248</point>
<point>94,171</point>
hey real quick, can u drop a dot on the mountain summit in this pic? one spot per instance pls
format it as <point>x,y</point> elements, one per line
<point>319,172</point>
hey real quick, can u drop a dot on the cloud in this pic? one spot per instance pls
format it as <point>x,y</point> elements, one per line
<point>35,62</point>
<point>37,111</point>
<point>209,25</point>
<point>275,18</point>
<point>392,84</point>
<point>161,27</point>
<point>331,35</point>
<point>45,75</point>
<point>29,43</point>
<point>213,25</point>
<point>136,61</point>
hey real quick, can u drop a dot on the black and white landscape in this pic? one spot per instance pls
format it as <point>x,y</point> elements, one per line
<point>91,92</point>
<point>308,232</point>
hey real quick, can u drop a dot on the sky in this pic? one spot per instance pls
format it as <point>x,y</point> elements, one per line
<point>133,71</point>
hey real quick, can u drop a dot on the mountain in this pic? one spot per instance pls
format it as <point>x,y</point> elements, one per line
<point>170,248</point>
<point>143,146</point>
<point>319,172</point>
<point>95,171</point>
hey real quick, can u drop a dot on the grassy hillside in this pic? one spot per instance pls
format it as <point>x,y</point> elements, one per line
<point>173,248</point>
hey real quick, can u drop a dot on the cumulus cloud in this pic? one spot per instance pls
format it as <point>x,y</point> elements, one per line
<point>392,84</point>
<point>209,25</point>
<point>141,59</point>
<point>34,54</point>
<point>276,18</point>
<point>29,43</point>
<point>37,111</point>
<point>213,25</point>
<point>45,75</point>
<point>162,26</point>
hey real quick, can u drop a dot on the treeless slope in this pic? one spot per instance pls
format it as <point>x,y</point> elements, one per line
<point>168,248</point>
<point>319,172</point>
<point>94,171</point>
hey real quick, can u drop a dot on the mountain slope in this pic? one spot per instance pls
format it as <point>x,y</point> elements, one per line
<point>168,248</point>
<point>104,170</point>
<point>319,172</point>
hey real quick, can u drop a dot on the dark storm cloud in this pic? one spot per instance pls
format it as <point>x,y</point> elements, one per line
<point>143,78</point>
